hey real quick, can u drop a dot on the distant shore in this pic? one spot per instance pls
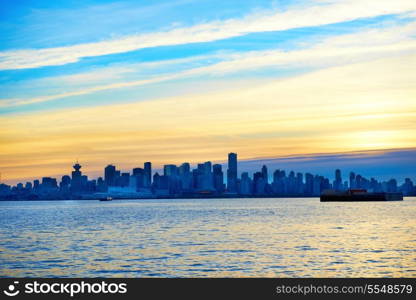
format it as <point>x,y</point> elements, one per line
<point>166,198</point>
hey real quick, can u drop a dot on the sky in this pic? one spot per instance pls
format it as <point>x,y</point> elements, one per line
<point>125,82</point>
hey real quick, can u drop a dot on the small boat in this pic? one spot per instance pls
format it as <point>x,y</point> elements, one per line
<point>357,195</point>
<point>108,198</point>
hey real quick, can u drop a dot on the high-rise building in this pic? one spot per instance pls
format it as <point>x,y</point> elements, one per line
<point>352,180</point>
<point>299,184</point>
<point>245,184</point>
<point>172,174</point>
<point>125,179</point>
<point>170,170</point>
<point>110,175</point>
<point>101,187</point>
<point>184,168</point>
<point>309,181</point>
<point>76,180</point>
<point>65,183</point>
<point>139,175</point>
<point>185,177</point>
<point>317,182</point>
<point>207,180</point>
<point>218,178</point>
<point>147,180</point>
<point>232,173</point>
<point>265,174</point>
<point>338,180</point>
<point>49,183</point>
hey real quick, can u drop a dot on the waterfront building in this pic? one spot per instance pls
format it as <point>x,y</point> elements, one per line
<point>232,173</point>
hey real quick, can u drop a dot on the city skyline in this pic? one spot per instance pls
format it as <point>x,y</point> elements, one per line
<point>396,163</point>
<point>204,180</point>
<point>172,81</point>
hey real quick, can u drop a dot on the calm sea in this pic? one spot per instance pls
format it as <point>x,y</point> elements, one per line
<point>208,238</point>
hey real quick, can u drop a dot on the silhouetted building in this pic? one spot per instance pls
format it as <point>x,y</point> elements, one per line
<point>352,180</point>
<point>218,178</point>
<point>110,175</point>
<point>207,179</point>
<point>147,180</point>
<point>232,173</point>
<point>338,180</point>
<point>265,174</point>
<point>139,177</point>
<point>185,177</point>
<point>246,185</point>
<point>76,180</point>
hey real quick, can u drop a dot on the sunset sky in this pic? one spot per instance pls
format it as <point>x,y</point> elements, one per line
<point>125,82</point>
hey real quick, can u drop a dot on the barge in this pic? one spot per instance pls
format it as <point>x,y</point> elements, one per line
<point>358,195</point>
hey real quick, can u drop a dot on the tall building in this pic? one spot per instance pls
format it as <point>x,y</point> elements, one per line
<point>139,175</point>
<point>299,184</point>
<point>352,180</point>
<point>309,183</point>
<point>218,178</point>
<point>338,180</point>
<point>48,183</point>
<point>232,173</point>
<point>65,183</point>
<point>110,175</point>
<point>265,174</point>
<point>101,187</point>
<point>245,184</point>
<point>147,180</point>
<point>125,179</point>
<point>185,177</point>
<point>259,184</point>
<point>317,181</point>
<point>171,172</point>
<point>76,180</point>
<point>207,180</point>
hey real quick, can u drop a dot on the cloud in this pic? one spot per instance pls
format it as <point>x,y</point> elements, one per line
<point>348,108</point>
<point>338,50</point>
<point>314,15</point>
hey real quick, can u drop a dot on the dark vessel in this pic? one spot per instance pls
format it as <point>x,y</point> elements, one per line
<point>106,199</point>
<point>356,195</point>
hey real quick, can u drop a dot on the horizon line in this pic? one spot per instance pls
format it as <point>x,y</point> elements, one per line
<point>291,157</point>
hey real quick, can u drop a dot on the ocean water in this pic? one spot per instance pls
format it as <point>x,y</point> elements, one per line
<point>208,238</point>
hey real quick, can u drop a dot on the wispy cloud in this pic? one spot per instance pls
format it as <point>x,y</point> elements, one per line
<point>348,108</point>
<point>320,13</point>
<point>333,51</point>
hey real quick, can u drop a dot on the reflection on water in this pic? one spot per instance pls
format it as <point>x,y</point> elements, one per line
<point>208,237</point>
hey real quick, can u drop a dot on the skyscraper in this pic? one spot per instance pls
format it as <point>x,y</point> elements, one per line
<point>218,178</point>
<point>185,177</point>
<point>207,179</point>
<point>352,180</point>
<point>265,174</point>
<point>246,184</point>
<point>147,180</point>
<point>76,184</point>
<point>138,173</point>
<point>170,170</point>
<point>172,174</point>
<point>232,173</point>
<point>338,180</point>
<point>110,175</point>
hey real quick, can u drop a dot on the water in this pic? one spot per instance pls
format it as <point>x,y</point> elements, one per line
<point>208,238</point>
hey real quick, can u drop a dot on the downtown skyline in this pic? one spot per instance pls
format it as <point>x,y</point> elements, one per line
<point>205,180</point>
<point>183,80</point>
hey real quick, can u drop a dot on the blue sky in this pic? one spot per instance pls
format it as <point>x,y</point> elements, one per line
<point>242,72</point>
<point>34,26</point>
